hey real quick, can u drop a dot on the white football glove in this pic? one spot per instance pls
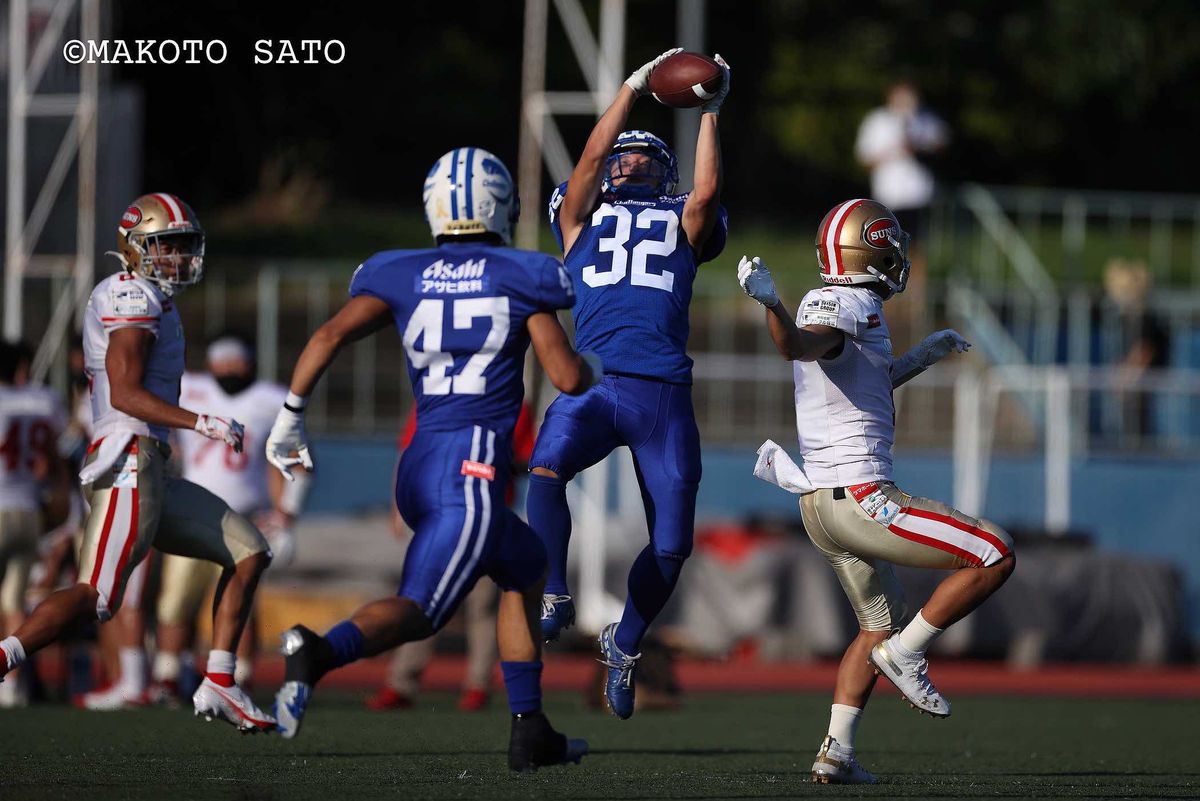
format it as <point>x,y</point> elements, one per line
<point>931,350</point>
<point>639,81</point>
<point>713,105</point>
<point>230,431</point>
<point>756,279</point>
<point>287,437</point>
<point>941,344</point>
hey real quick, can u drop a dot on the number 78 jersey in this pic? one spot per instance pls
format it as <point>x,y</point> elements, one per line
<point>632,268</point>
<point>461,310</point>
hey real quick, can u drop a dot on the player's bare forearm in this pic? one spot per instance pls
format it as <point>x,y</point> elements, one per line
<point>360,317</point>
<point>125,364</point>
<point>565,368</point>
<point>584,186</point>
<point>800,344</point>
<point>704,201</point>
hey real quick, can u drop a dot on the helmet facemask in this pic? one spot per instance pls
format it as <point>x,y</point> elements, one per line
<point>893,273</point>
<point>637,157</point>
<point>172,259</point>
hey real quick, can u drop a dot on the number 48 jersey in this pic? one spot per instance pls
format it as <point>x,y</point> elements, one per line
<point>632,268</point>
<point>461,310</point>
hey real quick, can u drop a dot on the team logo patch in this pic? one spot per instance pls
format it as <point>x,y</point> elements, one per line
<point>860,491</point>
<point>479,470</point>
<point>880,233</point>
<point>129,300</point>
<point>131,217</point>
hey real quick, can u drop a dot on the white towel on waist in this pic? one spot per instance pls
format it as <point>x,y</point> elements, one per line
<point>111,447</point>
<point>775,467</point>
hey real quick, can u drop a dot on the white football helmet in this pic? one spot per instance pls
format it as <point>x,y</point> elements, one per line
<point>470,192</point>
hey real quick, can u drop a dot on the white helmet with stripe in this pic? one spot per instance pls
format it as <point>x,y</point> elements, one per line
<point>160,239</point>
<point>861,242</point>
<point>469,192</point>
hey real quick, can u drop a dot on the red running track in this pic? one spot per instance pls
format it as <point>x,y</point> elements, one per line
<point>952,676</point>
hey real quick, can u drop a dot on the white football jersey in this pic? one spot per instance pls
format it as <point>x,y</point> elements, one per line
<point>125,300</point>
<point>845,416</point>
<point>31,418</point>
<point>239,479</point>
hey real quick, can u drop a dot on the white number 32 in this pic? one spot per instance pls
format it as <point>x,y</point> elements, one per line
<point>634,264</point>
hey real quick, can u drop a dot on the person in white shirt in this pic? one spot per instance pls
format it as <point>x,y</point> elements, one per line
<point>890,139</point>
<point>853,511</point>
<point>31,419</point>
<point>243,479</point>
<point>134,347</point>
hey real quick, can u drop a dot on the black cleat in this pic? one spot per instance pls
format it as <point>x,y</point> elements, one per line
<point>307,655</point>
<point>534,743</point>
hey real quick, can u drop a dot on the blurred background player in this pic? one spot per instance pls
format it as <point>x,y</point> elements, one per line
<point>244,480</point>
<point>852,510</point>
<point>631,247</point>
<point>134,353</point>
<point>479,608</point>
<point>31,419</point>
<point>467,311</point>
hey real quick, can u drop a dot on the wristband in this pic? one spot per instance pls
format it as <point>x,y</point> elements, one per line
<point>295,403</point>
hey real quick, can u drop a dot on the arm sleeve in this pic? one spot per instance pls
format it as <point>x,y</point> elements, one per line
<point>827,307</point>
<point>555,290</point>
<point>127,304</point>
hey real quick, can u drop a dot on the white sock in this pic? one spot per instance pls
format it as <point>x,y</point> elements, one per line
<point>243,672</point>
<point>167,666</point>
<point>843,724</point>
<point>221,662</point>
<point>133,669</point>
<point>14,652</point>
<point>918,635</point>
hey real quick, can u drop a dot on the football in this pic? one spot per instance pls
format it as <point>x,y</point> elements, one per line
<point>685,80</point>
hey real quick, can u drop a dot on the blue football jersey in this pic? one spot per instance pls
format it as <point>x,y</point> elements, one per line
<point>461,310</point>
<point>633,268</point>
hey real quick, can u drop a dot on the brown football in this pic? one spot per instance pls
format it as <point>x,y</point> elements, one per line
<point>685,80</point>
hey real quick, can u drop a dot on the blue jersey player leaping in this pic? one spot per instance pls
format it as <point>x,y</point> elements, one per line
<point>467,311</point>
<point>631,247</point>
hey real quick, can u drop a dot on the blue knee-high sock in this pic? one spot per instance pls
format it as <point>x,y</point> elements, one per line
<point>523,682</point>
<point>651,580</point>
<point>550,518</point>
<point>346,643</point>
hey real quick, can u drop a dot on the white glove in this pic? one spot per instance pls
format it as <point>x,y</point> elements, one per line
<point>639,81</point>
<point>941,344</point>
<point>228,430</point>
<point>713,104</point>
<point>756,279</point>
<point>931,350</point>
<point>287,437</point>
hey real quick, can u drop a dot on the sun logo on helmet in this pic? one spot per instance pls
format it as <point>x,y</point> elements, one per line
<point>881,233</point>
<point>131,218</point>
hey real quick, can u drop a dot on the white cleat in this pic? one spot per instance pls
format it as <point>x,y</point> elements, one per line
<point>910,674</point>
<point>13,694</point>
<point>230,704</point>
<point>837,765</point>
<point>111,699</point>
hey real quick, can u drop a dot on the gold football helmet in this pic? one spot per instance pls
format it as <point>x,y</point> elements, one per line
<point>860,242</point>
<point>160,239</point>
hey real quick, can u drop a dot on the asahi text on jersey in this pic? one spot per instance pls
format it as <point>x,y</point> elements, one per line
<point>446,278</point>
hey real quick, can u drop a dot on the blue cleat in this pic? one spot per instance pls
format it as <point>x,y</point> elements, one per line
<point>558,613</point>
<point>301,672</point>
<point>618,690</point>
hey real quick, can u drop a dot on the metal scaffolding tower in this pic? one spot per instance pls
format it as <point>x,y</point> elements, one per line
<point>602,61</point>
<point>71,272</point>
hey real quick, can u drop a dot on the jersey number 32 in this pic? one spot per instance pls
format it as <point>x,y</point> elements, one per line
<point>633,262</point>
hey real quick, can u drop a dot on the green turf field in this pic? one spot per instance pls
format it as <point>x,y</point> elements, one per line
<point>719,746</point>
